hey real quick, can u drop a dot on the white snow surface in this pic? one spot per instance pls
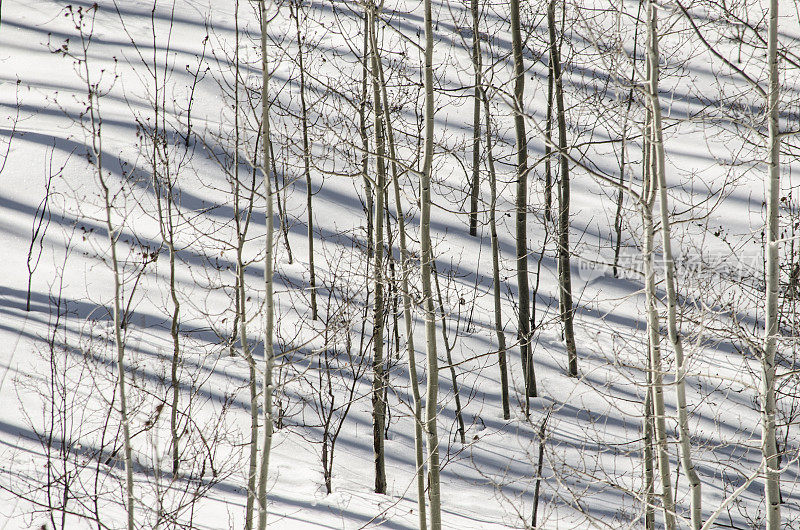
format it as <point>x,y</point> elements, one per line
<point>593,463</point>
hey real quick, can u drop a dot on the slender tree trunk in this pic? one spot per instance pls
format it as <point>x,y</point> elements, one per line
<point>166,226</point>
<point>306,163</point>
<point>379,376</point>
<point>96,125</point>
<point>281,216</point>
<point>524,330</point>
<point>623,149</point>
<point>649,479</point>
<point>242,297</point>
<point>362,119</point>
<point>269,303</point>
<point>767,390</point>
<point>476,121</point>
<point>564,271</point>
<point>657,375</point>
<point>496,286</point>
<point>251,365</point>
<point>432,397</point>
<point>119,342</point>
<point>548,149</point>
<point>175,332</point>
<point>449,350</point>
<point>542,437</point>
<point>653,324</point>
<point>405,270</point>
<point>684,438</point>
<point>120,346</point>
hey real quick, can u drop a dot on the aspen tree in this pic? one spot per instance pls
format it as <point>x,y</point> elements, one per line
<point>654,339</point>
<point>405,271</point>
<point>564,272</point>
<point>269,303</point>
<point>432,404</point>
<point>449,349</point>
<point>659,180</point>
<point>312,276</point>
<point>378,373</point>
<point>362,129</point>
<point>96,145</point>
<point>767,387</point>
<point>476,121</point>
<point>119,343</point>
<point>496,287</point>
<point>241,297</point>
<point>524,329</point>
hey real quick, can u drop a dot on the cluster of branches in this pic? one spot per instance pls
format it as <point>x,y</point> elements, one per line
<point>320,98</point>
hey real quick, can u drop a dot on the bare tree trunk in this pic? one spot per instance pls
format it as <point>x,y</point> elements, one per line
<point>656,373</point>
<point>362,118</point>
<point>269,303</point>
<point>432,397</point>
<point>95,130</point>
<point>405,269</point>
<point>281,216</point>
<point>649,479</point>
<point>449,350</point>
<point>379,376</point>
<point>306,162</point>
<point>542,437</point>
<point>496,287</point>
<point>119,343</point>
<point>684,438</point>
<point>548,149</point>
<point>564,272</point>
<point>120,346</point>
<point>242,297</point>
<point>623,148</point>
<point>524,330</point>
<point>175,332</point>
<point>767,389</point>
<point>163,181</point>
<point>476,121</point>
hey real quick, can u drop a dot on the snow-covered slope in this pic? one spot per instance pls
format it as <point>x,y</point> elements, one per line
<point>59,424</point>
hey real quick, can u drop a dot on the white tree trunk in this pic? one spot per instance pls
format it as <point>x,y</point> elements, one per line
<point>656,376</point>
<point>431,405</point>
<point>378,373</point>
<point>119,342</point>
<point>405,271</point>
<point>269,303</point>
<point>767,390</point>
<point>660,181</point>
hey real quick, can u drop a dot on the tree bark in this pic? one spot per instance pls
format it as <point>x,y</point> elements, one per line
<point>524,330</point>
<point>476,121</point>
<point>378,374</point>
<point>449,350</point>
<point>405,271</point>
<point>767,388</point>
<point>496,287</point>
<point>269,303</point>
<point>564,271</point>
<point>656,376</point>
<point>306,165</point>
<point>684,439</point>
<point>432,391</point>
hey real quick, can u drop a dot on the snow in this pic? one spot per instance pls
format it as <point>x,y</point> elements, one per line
<point>593,464</point>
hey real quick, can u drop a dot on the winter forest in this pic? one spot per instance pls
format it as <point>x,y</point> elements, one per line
<point>402,264</point>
